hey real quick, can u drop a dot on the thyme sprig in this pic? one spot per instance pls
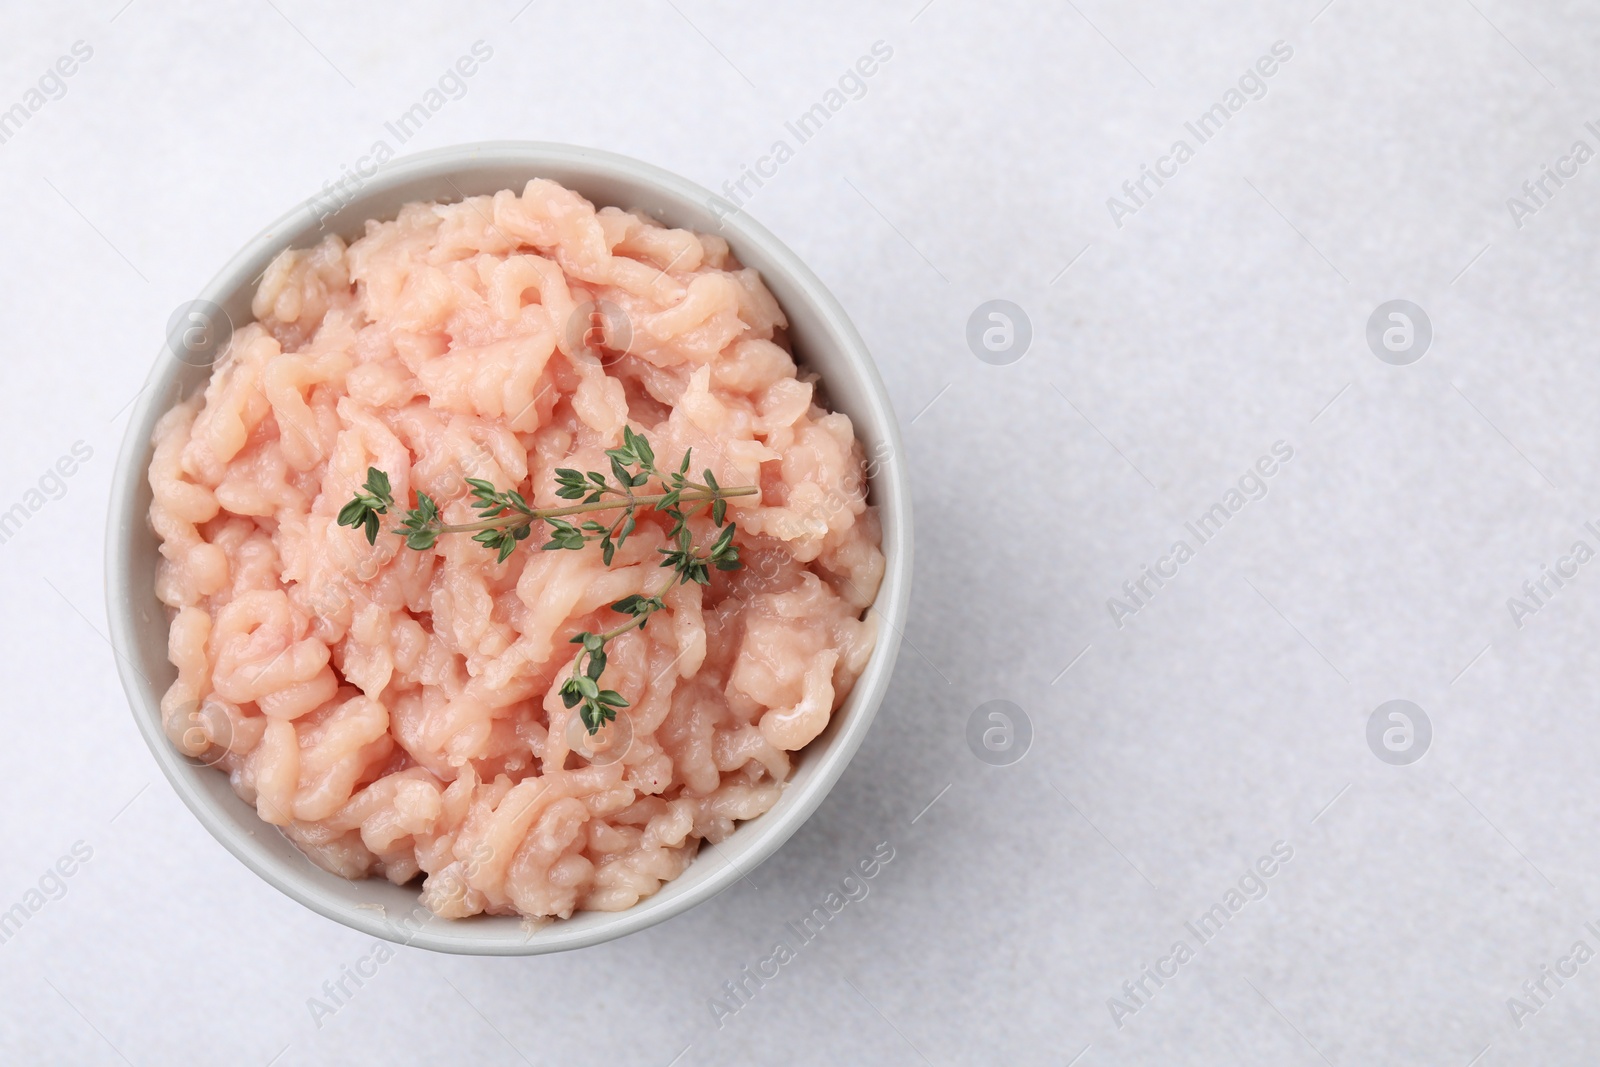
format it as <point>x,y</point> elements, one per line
<point>688,565</point>
<point>505,518</point>
<point>363,511</point>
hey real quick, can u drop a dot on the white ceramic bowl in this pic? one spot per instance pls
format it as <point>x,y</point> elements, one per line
<point>824,340</point>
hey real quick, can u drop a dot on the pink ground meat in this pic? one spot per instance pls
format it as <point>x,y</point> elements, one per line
<point>397,712</point>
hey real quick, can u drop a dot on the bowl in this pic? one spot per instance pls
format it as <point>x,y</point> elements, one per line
<point>824,340</point>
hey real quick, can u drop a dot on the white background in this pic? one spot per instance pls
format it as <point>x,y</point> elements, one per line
<point>1230,713</point>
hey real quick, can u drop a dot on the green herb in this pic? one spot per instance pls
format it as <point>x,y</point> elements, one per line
<point>363,511</point>
<point>688,565</point>
<point>506,518</point>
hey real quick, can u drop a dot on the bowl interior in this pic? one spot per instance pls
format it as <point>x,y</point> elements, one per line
<point>824,340</point>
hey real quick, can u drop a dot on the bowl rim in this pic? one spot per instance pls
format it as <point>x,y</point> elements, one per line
<point>766,833</point>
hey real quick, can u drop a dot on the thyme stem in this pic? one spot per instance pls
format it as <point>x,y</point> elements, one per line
<point>579,509</point>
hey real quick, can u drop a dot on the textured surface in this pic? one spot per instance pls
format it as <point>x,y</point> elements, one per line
<point>1166,756</point>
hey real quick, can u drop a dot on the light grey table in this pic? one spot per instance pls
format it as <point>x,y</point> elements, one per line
<point>1180,737</point>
